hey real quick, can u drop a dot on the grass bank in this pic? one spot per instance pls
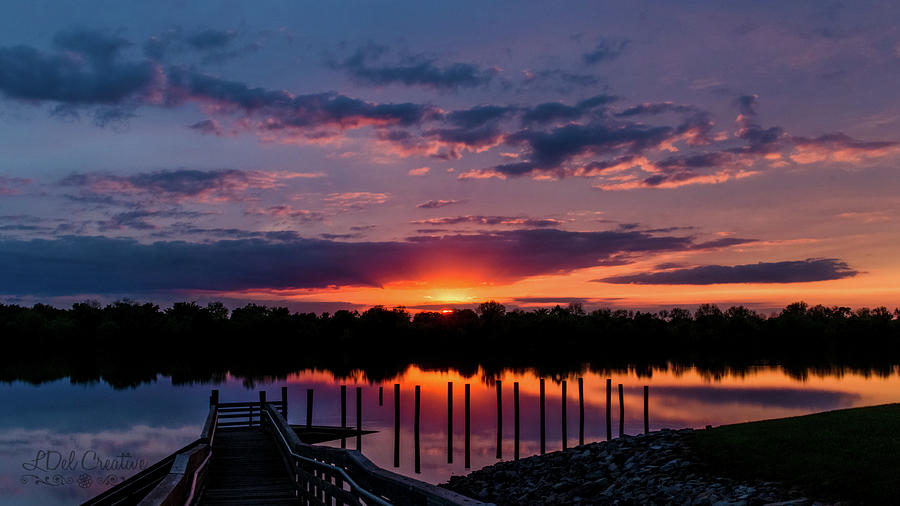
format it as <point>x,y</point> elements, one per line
<point>848,454</point>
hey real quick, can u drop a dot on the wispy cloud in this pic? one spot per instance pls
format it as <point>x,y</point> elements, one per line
<point>435,204</point>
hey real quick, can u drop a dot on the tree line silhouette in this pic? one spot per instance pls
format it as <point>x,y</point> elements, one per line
<point>127,343</point>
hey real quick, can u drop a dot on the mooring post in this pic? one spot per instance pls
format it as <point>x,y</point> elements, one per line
<point>646,409</point>
<point>262,402</point>
<point>262,405</point>
<point>343,405</point>
<point>284,402</point>
<point>468,428</point>
<point>565,435</point>
<point>343,413</point>
<point>621,411</point>
<point>416,429</point>
<point>214,397</point>
<point>580,411</point>
<point>381,396</point>
<point>608,409</point>
<point>449,422</point>
<point>359,418</point>
<point>309,406</point>
<point>543,421</point>
<point>499,419</point>
<point>396,424</point>
<point>516,420</point>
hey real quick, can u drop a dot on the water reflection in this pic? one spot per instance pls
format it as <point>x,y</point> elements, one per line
<point>154,419</point>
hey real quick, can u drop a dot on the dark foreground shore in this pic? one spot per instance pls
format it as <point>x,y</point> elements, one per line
<point>658,468</point>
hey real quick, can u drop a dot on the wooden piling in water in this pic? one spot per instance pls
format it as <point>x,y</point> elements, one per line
<point>416,429</point>
<point>543,421</point>
<point>396,424</point>
<point>608,409</point>
<point>262,404</point>
<point>449,422</point>
<point>214,397</point>
<point>343,413</point>
<point>381,396</point>
<point>565,428</point>
<point>580,411</point>
<point>284,402</point>
<point>499,419</point>
<point>359,418</point>
<point>309,406</point>
<point>646,409</point>
<point>516,420</point>
<point>468,428</point>
<point>621,411</point>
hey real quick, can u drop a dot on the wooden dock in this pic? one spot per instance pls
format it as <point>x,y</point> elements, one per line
<point>246,468</point>
<point>247,454</point>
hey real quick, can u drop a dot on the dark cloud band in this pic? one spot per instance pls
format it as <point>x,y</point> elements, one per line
<point>80,264</point>
<point>798,271</point>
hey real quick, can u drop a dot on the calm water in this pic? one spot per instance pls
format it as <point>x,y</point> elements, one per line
<point>43,426</point>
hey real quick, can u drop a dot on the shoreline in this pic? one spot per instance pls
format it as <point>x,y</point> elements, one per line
<point>656,468</point>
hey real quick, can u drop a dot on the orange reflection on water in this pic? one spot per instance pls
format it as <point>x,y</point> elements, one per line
<point>685,398</point>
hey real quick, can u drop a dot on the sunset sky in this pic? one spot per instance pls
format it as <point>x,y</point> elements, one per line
<point>343,154</point>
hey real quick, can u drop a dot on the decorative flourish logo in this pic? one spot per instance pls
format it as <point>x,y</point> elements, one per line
<point>85,468</point>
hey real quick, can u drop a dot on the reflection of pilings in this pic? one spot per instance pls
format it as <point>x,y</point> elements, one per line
<point>621,411</point>
<point>565,436</point>
<point>499,420</point>
<point>381,396</point>
<point>468,429</point>
<point>309,406</point>
<point>580,411</point>
<point>646,409</point>
<point>516,418</point>
<point>543,421</point>
<point>608,409</point>
<point>396,424</point>
<point>449,422</point>
<point>343,412</point>
<point>416,429</point>
<point>359,418</point>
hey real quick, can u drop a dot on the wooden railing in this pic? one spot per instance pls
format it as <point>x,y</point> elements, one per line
<point>324,475</point>
<point>321,475</point>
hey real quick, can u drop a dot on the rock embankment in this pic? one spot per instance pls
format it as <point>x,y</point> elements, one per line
<point>657,468</point>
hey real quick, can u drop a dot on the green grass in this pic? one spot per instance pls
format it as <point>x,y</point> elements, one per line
<point>849,454</point>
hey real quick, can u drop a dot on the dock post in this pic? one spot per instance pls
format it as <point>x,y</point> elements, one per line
<point>380,395</point>
<point>359,418</point>
<point>499,419</point>
<point>416,430</point>
<point>516,420</point>
<point>580,411</point>
<point>468,429</point>
<point>343,413</point>
<point>396,424</point>
<point>646,409</point>
<point>621,411</point>
<point>309,406</point>
<point>565,436</point>
<point>284,402</point>
<point>608,409</point>
<point>543,421</point>
<point>449,422</point>
<point>214,397</point>
<point>262,405</point>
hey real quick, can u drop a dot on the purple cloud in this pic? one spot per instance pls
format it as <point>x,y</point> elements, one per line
<point>797,271</point>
